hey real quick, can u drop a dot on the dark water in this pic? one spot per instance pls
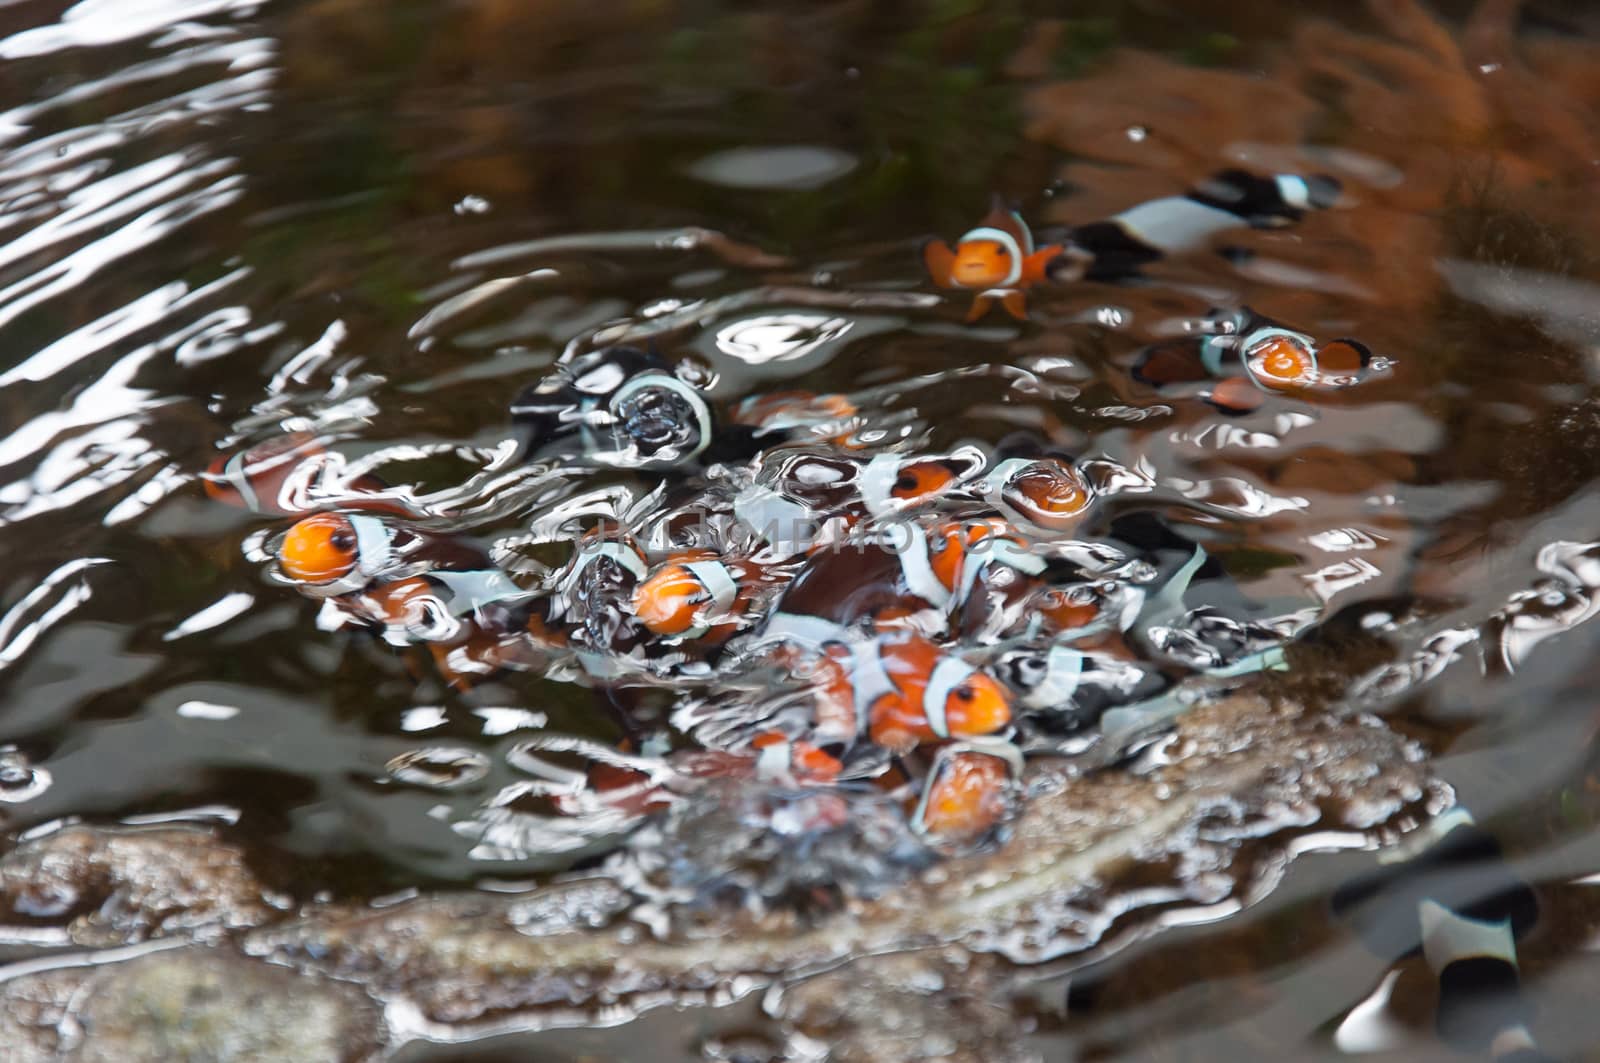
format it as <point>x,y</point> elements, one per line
<point>223,220</point>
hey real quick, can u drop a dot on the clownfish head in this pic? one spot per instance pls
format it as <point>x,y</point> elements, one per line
<point>890,483</point>
<point>978,705</point>
<point>919,479</point>
<point>1048,492</point>
<point>966,792</point>
<point>672,599</point>
<point>949,546</point>
<point>983,264</point>
<point>935,695</point>
<point>1280,361</point>
<point>320,548</point>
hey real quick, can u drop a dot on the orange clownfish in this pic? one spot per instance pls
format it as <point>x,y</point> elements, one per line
<point>1271,360</point>
<point>897,687</point>
<point>997,259</point>
<point>1048,493</point>
<point>696,595</point>
<point>927,695</point>
<point>967,790</point>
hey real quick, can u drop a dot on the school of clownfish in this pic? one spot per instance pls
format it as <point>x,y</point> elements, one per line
<point>935,613</point>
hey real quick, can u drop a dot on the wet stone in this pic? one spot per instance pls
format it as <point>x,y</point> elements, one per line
<point>115,887</point>
<point>914,1006</point>
<point>1204,815</point>
<point>215,1005</point>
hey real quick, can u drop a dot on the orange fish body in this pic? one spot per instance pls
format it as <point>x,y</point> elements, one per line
<point>996,259</point>
<point>1250,364</point>
<point>967,791</point>
<point>932,696</point>
<point>695,595</point>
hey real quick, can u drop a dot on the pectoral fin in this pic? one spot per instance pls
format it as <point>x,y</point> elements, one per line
<point>940,260</point>
<point>1235,394</point>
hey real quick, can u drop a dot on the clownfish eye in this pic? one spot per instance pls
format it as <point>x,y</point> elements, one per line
<point>1281,361</point>
<point>318,549</point>
<point>964,692</point>
<point>922,478</point>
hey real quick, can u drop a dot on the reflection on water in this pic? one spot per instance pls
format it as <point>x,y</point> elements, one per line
<point>372,226</point>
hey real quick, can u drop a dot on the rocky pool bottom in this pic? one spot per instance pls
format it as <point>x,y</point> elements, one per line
<point>161,943</point>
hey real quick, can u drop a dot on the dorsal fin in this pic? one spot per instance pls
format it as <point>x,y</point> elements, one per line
<point>1003,216</point>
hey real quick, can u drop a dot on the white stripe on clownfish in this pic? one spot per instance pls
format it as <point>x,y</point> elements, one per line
<point>869,681</point>
<point>718,582</point>
<point>1293,190</point>
<point>877,484</point>
<point>1252,340</point>
<point>471,591</point>
<point>916,568</point>
<point>233,473</point>
<point>1015,249</point>
<point>811,632</point>
<point>775,762</point>
<point>991,551</point>
<point>1213,349</point>
<point>948,674</point>
<point>1175,223</point>
<point>1063,674</point>
<point>784,524</point>
<point>721,591</point>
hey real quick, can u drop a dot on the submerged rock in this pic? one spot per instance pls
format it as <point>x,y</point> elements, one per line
<point>118,886</point>
<point>189,1004</point>
<point>1203,815</point>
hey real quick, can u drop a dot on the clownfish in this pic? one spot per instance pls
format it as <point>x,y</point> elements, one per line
<point>896,687</point>
<point>997,259</point>
<point>696,595</point>
<point>593,597</point>
<point>1068,688</point>
<point>1048,493</point>
<point>617,406</point>
<point>451,612</point>
<point>271,477</point>
<point>327,555</point>
<point>1257,359</point>
<point>967,790</point>
<point>800,502</point>
<point>1116,248</point>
